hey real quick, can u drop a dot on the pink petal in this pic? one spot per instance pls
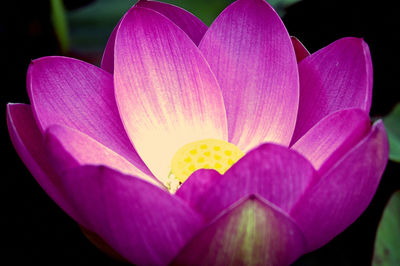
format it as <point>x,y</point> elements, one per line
<point>251,232</point>
<point>300,50</point>
<point>332,137</point>
<point>336,77</point>
<point>72,93</point>
<point>107,61</point>
<point>273,172</point>
<point>344,192</point>
<point>143,223</point>
<point>188,22</point>
<point>70,148</point>
<point>250,52</point>
<point>165,90</point>
<point>196,187</point>
<point>28,142</point>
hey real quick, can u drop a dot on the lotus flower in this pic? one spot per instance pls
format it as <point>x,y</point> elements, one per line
<point>209,146</point>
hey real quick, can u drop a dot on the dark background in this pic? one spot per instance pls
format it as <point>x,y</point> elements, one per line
<point>36,232</point>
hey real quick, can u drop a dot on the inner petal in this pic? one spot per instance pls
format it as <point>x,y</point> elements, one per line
<point>214,154</point>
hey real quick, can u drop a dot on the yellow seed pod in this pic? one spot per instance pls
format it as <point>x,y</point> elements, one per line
<point>204,154</point>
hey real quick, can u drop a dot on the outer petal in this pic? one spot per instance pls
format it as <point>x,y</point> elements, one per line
<point>70,148</point>
<point>249,233</point>
<point>336,77</point>
<point>250,52</point>
<point>188,22</point>
<point>107,61</point>
<point>28,142</point>
<point>144,224</point>
<point>332,137</point>
<point>343,193</point>
<point>273,172</point>
<point>300,50</point>
<point>70,92</point>
<point>165,91</point>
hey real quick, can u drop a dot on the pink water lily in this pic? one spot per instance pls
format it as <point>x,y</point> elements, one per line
<point>228,145</point>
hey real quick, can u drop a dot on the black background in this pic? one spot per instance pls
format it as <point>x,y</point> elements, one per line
<point>36,232</point>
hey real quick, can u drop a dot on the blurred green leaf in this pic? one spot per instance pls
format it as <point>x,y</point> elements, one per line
<point>59,19</point>
<point>387,243</point>
<point>392,125</point>
<point>90,26</point>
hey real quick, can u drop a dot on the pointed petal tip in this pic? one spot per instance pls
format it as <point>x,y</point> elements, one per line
<point>198,184</point>
<point>37,60</point>
<point>300,50</point>
<point>10,108</point>
<point>11,105</point>
<point>249,232</point>
<point>380,128</point>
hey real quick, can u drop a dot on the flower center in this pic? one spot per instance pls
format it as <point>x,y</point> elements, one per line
<point>203,154</point>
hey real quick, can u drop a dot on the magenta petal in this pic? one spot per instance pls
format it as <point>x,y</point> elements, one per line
<point>28,142</point>
<point>166,93</point>
<point>185,20</point>
<point>251,232</point>
<point>143,223</point>
<point>251,54</point>
<point>336,77</point>
<point>73,93</point>
<point>344,192</point>
<point>197,185</point>
<point>332,137</point>
<point>70,148</point>
<point>188,22</point>
<point>273,172</point>
<point>107,61</point>
<point>299,49</point>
